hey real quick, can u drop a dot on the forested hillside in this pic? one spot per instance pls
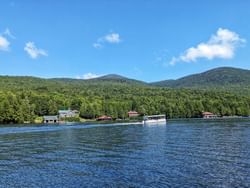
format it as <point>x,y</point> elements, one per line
<point>25,98</point>
<point>223,78</point>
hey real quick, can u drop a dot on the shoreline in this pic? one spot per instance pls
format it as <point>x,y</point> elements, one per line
<point>217,118</point>
<point>126,121</point>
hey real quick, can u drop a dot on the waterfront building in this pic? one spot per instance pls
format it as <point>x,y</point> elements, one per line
<point>208,115</point>
<point>104,118</point>
<point>50,119</point>
<point>68,113</point>
<point>133,114</point>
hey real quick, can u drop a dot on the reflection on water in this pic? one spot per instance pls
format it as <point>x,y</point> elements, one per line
<point>179,154</point>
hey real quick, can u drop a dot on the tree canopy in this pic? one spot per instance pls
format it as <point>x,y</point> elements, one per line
<point>23,99</point>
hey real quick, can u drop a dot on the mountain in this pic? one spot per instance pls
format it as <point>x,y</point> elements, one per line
<point>28,82</point>
<point>111,77</point>
<point>106,79</point>
<point>114,78</point>
<point>223,77</point>
<point>223,91</point>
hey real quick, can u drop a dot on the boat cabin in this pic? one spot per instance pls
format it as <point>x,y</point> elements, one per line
<point>154,119</point>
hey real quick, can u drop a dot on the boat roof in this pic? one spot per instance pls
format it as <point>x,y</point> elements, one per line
<point>162,115</point>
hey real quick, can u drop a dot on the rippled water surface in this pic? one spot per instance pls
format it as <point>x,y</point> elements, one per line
<point>179,154</point>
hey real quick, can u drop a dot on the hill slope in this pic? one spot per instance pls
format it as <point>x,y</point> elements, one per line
<point>22,99</point>
<point>28,82</point>
<point>114,78</point>
<point>224,77</point>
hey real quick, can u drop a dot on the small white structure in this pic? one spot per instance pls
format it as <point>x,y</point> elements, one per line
<point>68,113</point>
<point>50,119</point>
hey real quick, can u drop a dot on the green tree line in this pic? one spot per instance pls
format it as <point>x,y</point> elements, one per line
<point>18,105</point>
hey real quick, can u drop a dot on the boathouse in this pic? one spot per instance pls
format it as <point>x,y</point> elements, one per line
<point>50,119</point>
<point>208,115</point>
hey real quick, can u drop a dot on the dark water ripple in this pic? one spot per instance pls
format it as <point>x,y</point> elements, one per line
<point>180,154</point>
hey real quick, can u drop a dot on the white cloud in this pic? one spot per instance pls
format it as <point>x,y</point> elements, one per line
<point>8,33</point>
<point>4,44</point>
<point>88,76</point>
<point>33,51</point>
<point>222,45</point>
<point>112,38</point>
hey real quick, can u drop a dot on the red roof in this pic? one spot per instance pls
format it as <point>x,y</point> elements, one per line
<point>207,113</point>
<point>104,118</point>
<point>133,112</point>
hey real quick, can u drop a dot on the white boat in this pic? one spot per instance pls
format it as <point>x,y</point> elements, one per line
<point>154,119</point>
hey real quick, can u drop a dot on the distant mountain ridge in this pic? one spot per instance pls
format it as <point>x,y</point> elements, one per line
<point>227,78</point>
<point>218,77</point>
<point>117,78</point>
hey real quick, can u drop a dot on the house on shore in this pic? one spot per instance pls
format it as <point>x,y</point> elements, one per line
<point>133,114</point>
<point>207,115</point>
<point>68,113</point>
<point>104,118</point>
<point>50,119</point>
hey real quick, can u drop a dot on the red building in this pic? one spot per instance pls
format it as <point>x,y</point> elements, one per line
<point>104,118</point>
<point>133,114</point>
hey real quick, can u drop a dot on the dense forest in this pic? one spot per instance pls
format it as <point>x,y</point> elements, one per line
<point>224,78</point>
<point>25,98</point>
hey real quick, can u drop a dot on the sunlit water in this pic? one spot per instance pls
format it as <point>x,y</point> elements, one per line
<point>179,154</point>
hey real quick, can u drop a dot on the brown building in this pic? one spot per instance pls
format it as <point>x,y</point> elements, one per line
<point>104,118</point>
<point>133,114</point>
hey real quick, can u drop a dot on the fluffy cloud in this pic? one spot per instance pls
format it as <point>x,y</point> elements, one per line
<point>4,44</point>
<point>88,76</point>
<point>33,51</point>
<point>112,38</point>
<point>222,45</point>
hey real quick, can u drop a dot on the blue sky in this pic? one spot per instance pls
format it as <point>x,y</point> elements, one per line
<point>148,40</point>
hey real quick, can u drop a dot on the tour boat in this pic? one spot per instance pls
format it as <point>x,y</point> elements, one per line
<point>154,119</point>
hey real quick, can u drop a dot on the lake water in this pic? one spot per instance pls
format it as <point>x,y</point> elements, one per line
<point>179,154</point>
